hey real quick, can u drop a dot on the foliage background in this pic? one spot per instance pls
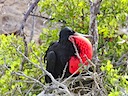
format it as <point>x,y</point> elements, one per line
<point>113,44</point>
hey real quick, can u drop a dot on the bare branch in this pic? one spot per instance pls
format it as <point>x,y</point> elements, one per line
<point>90,62</point>
<point>77,53</point>
<point>49,74</point>
<point>119,62</point>
<point>64,71</point>
<point>26,16</point>
<point>22,74</point>
<point>32,86</point>
<point>25,53</point>
<point>43,17</point>
<point>94,11</point>
<point>20,32</point>
<point>33,25</point>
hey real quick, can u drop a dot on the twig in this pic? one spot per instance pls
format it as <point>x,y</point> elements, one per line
<point>32,86</point>
<point>14,90</point>
<point>24,81</point>
<point>94,71</point>
<point>95,80</point>
<point>48,18</point>
<point>77,53</point>
<point>26,16</point>
<point>119,62</point>
<point>25,53</point>
<point>43,17</point>
<point>90,62</point>
<point>33,25</point>
<point>64,71</point>
<point>72,74</point>
<point>22,74</point>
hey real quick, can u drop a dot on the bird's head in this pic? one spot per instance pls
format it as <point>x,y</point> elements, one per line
<point>65,33</point>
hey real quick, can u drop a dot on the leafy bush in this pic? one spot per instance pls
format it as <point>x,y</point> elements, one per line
<point>10,61</point>
<point>73,13</point>
<point>115,82</point>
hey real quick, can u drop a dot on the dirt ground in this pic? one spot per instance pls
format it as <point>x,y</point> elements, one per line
<point>11,15</point>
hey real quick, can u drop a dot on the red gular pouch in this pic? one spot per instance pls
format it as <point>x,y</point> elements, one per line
<point>84,47</point>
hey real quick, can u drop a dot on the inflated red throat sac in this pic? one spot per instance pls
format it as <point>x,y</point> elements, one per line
<point>84,48</point>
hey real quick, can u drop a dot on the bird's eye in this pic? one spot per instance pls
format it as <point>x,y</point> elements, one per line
<point>73,31</point>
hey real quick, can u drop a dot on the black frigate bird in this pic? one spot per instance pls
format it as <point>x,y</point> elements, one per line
<point>59,53</point>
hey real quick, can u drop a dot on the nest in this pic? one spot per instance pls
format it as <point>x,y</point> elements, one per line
<point>88,84</point>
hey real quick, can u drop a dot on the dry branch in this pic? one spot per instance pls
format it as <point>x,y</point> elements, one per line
<point>43,17</point>
<point>94,11</point>
<point>26,16</point>
<point>21,32</point>
<point>64,87</point>
<point>22,74</point>
<point>120,61</point>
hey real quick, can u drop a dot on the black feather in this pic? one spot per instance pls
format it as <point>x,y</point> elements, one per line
<point>58,54</point>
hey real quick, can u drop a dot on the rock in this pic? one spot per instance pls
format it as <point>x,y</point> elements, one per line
<point>12,13</point>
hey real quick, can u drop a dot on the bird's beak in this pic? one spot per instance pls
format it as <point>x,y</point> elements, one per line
<point>79,34</point>
<point>83,35</point>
